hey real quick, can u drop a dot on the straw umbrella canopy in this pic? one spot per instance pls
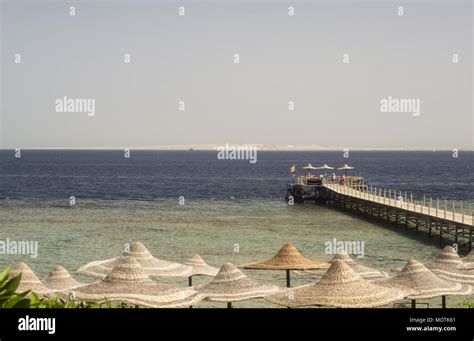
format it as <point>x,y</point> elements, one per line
<point>470,257</point>
<point>469,260</point>
<point>232,285</point>
<point>310,166</point>
<point>127,282</point>
<point>199,267</point>
<point>448,265</point>
<point>151,265</point>
<point>287,258</point>
<point>340,287</point>
<point>60,279</point>
<point>364,271</point>
<point>424,283</point>
<point>29,280</point>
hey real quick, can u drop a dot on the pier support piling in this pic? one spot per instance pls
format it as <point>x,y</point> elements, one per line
<point>382,205</point>
<point>470,240</point>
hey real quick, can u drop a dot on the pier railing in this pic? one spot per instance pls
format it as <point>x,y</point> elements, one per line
<point>457,211</point>
<point>349,180</point>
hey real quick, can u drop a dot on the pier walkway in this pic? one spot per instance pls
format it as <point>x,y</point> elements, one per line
<point>373,195</point>
<point>443,218</point>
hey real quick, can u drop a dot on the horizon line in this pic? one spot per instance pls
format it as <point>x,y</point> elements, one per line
<point>212,147</point>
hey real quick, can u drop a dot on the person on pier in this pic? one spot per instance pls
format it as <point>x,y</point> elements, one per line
<point>342,180</point>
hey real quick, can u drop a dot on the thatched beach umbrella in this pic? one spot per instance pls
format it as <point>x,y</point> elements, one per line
<point>364,271</point>
<point>199,267</point>
<point>339,287</point>
<point>287,258</point>
<point>469,260</point>
<point>151,265</point>
<point>60,279</point>
<point>448,265</point>
<point>469,257</point>
<point>231,285</point>
<point>127,282</point>
<point>29,281</point>
<point>424,283</point>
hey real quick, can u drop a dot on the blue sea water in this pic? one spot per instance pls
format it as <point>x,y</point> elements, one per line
<point>227,204</point>
<point>151,175</point>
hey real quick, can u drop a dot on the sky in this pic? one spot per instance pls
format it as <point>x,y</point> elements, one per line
<point>190,58</point>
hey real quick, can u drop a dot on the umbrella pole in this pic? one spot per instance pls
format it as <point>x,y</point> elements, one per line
<point>229,305</point>
<point>443,301</point>
<point>190,282</point>
<point>288,280</point>
<point>413,304</point>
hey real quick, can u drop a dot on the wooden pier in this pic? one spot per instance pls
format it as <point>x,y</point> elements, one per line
<point>438,218</point>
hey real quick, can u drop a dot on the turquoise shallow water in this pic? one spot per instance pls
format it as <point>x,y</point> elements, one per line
<point>72,236</point>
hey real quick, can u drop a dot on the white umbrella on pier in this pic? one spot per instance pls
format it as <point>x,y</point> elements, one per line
<point>310,166</point>
<point>345,168</point>
<point>325,166</point>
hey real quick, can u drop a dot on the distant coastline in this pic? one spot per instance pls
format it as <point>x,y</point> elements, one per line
<point>260,147</point>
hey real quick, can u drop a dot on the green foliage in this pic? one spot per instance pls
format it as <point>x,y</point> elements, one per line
<point>9,298</point>
<point>465,304</point>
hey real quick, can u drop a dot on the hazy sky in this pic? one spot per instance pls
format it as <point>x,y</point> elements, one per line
<point>282,58</point>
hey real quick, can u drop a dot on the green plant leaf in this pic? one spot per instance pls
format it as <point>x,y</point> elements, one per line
<point>12,284</point>
<point>12,301</point>
<point>23,303</point>
<point>4,275</point>
<point>34,299</point>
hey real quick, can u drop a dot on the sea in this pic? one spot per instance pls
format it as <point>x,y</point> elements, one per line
<point>183,202</point>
